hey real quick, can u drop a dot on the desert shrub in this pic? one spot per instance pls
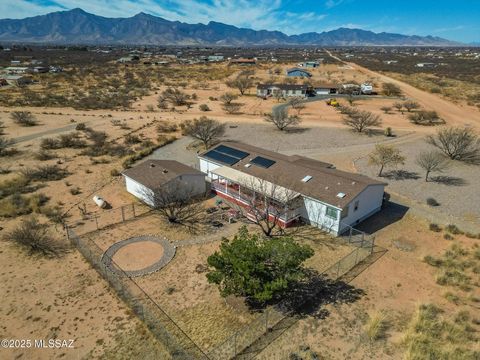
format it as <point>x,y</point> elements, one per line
<point>17,204</point>
<point>424,117</point>
<point>204,107</point>
<point>23,118</point>
<point>35,237</point>
<point>457,143</point>
<point>435,227</point>
<point>432,202</point>
<point>453,229</point>
<point>75,190</point>
<point>44,155</point>
<point>131,139</point>
<point>45,173</point>
<point>411,105</point>
<point>81,127</point>
<point>49,144</point>
<point>6,148</point>
<point>386,109</point>
<point>165,127</point>
<point>455,299</point>
<point>19,184</point>
<point>390,89</point>
<point>115,172</point>
<point>54,213</point>
<point>131,159</point>
<point>448,237</point>
<point>388,132</point>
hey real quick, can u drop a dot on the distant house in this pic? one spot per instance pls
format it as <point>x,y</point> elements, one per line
<point>41,69</point>
<point>310,64</point>
<point>148,177</point>
<point>426,65</point>
<point>325,89</point>
<point>312,191</point>
<point>353,89</point>
<point>242,61</point>
<point>16,69</point>
<point>18,80</point>
<point>283,90</point>
<point>366,88</point>
<point>215,58</point>
<point>297,72</point>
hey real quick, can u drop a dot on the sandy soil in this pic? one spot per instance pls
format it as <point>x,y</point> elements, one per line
<point>138,256</point>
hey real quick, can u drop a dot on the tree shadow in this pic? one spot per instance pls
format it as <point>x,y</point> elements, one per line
<point>296,130</point>
<point>309,297</point>
<point>401,175</point>
<point>449,180</point>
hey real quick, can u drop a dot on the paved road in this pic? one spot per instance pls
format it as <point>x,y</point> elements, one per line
<point>43,133</point>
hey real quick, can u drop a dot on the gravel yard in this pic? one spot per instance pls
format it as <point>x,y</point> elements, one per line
<point>456,189</point>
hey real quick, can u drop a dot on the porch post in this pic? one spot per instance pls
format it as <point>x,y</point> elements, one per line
<point>226,185</point>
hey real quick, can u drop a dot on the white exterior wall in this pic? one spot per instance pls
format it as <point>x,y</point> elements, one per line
<point>138,190</point>
<point>193,182</point>
<point>369,202</point>
<point>207,166</point>
<point>314,212</point>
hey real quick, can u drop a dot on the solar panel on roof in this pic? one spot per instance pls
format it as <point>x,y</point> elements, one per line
<point>262,162</point>
<point>232,152</point>
<point>218,156</point>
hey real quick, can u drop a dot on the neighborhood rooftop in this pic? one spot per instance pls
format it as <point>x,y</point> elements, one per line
<point>306,176</point>
<point>154,173</point>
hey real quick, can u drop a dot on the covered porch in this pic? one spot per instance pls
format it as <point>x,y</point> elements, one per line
<point>280,204</point>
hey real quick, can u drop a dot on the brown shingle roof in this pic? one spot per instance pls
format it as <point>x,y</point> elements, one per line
<point>155,173</point>
<point>288,172</point>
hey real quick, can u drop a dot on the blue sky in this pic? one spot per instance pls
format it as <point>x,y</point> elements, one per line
<point>456,20</point>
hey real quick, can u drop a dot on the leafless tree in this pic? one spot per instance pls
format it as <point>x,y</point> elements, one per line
<point>242,83</point>
<point>399,106</point>
<point>204,129</point>
<point>228,98</point>
<point>360,121</point>
<point>297,104</point>
<point>177,203</point>
<point>267,203</point>
<point>411,105</point>
<point>432,161</point>
<point>457,143</point>
<point>385,156</point>
<point>386,109</point>
<point>281,119</point>
<point>173,96</point>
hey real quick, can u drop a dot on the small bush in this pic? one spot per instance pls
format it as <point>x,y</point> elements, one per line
<point>455,299</point>
<point>204,107</point>
<point>75,190</point>
<point>432,202</point>
<point>115,172</point>
<point>44,155</point>
<point>435,228</point>
<point>448,237</point>
<point>376,326</point>
<point>131,139</point>
<point>35,237</point>
<point>165,127</point>
<point>55,214</point>
<point>45,173</point>
<point>17,204</point>
<point>430,260</point>
<point>453,229</point>
<point>49,144</point>
<point>24,118</point>
<point>81,127</point>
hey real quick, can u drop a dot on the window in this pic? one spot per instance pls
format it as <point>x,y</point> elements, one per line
<point>332,213</point>
<point>355,206</point>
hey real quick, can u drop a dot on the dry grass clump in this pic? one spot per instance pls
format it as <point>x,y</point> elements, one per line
<point>431,336</point>
<point>458,267</point>
<point>376,326</point>
<point>17,204</point>
<point>45,173</point>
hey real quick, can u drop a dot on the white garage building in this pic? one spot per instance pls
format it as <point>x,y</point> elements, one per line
<point>151,176</point>
<point>322,195</point>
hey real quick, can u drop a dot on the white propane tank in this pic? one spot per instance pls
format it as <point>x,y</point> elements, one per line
<point>99,201</point>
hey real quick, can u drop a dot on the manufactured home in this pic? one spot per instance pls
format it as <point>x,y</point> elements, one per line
<point>297,72</point>
<point>282,90</point>
<point>308,190</point>
<point>146,179</point>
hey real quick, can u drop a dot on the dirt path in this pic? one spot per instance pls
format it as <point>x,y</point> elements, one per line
<point>454,114</point>
<point>43,133</point>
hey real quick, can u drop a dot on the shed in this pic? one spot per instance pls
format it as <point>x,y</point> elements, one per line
<point>151,176</point>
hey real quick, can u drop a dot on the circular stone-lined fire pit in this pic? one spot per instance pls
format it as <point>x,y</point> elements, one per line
<point>140,255</point>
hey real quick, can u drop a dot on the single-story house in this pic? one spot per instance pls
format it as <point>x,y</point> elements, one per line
<point>18,80</point>
<point>306,189</point>
<point>283,90</point>
<point>297,72</point>
<point>16,69</point>
<point>426,65</point>
<point>310,64</point>
<point>215,58</point>
<point>151,176</point>
<point>325,89</point>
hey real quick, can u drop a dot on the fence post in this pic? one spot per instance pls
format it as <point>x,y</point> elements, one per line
<point>133,209</point>
<point>356,256</point>
<point>123,215</point>
<point>66,231</point>
<point>96,220</point>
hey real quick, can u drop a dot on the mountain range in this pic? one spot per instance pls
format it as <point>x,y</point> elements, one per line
<point>79,27</point>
